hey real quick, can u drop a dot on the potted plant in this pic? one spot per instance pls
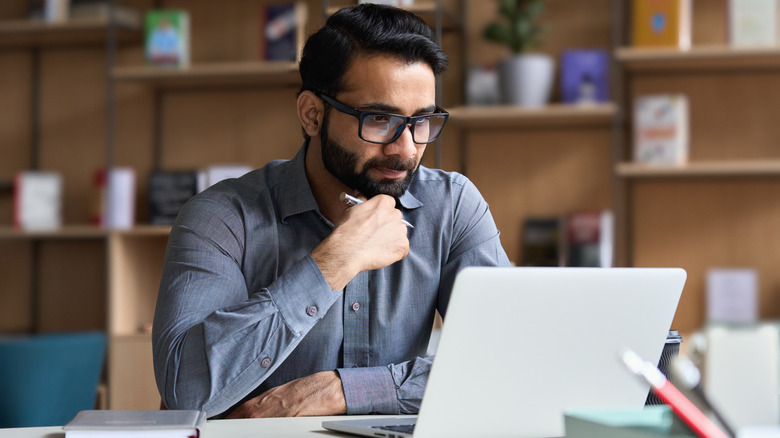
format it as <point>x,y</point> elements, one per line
<point>525,78</point>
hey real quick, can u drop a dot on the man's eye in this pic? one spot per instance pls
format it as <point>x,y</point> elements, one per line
<point>378,118</point>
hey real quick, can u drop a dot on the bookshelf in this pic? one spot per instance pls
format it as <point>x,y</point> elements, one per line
<point>717,210</point>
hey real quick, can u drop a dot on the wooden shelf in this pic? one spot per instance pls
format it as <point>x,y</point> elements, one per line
<point>145,231</point>
<point>513,116</point>
<point>81,232</point>
<point>213,74</point>
<point>426,11</point>
<point>698,58</point>
<point>701,169</point>
<point>31,33</point>
<point>64,232</point>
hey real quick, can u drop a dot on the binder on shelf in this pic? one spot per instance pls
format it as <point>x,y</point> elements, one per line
<point>661,23</point>
<point>38,200</point>
<point>661,129</point>
<point>218,172</point>
<point>542,242</point>
<point>283,31</point>
<point>116,198</point>
<point>589,238</point>
<point>732,295</point>
<point>585,76</point>
<point>167,37</point>
<point>752,23</point>
<point>168,191</point>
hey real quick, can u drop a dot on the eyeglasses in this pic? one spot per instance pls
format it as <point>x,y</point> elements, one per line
<point>385,128</point>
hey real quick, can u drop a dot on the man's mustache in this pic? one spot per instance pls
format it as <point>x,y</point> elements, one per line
<point>396,165</point>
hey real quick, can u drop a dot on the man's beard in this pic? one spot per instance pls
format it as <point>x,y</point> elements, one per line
<point>341,163</point>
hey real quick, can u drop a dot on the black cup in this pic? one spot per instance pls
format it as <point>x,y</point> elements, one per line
<point>671,350</point>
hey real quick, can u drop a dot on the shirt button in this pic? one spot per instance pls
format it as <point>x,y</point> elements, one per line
<point>266,362</point>
<point>356,306</point>
<point>311,310</point>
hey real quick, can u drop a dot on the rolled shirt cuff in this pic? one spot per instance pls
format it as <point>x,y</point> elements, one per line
<point>369,390</point>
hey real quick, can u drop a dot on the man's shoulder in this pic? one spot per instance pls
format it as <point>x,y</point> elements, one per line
<point>439,180</point>
<point>426,174</point>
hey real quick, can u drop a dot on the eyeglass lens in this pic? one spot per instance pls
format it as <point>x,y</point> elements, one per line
<point>382,128</point>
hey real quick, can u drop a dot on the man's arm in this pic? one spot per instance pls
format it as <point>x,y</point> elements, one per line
<point>214,341</point>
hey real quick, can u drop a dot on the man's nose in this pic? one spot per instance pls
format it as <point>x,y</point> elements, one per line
<point>403,147</point>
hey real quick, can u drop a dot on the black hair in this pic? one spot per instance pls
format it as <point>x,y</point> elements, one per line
<point>366,29</point>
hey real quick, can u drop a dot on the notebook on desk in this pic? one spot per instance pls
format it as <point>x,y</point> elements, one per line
<point>520,346</point>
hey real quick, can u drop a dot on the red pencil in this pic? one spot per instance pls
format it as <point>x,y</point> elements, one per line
<point>681,406</point>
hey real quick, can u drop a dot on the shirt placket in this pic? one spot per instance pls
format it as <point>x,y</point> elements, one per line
<point>356,322</point>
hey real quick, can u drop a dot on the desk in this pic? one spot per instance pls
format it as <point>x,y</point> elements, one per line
<point>244,428</point>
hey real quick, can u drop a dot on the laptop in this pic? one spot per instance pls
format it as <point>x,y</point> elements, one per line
<point>520,346</point>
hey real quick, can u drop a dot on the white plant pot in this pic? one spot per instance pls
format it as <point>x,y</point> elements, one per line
<point>527,80</point>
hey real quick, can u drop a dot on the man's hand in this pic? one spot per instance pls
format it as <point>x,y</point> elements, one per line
<point>318,394</point>
<point>371,236</point>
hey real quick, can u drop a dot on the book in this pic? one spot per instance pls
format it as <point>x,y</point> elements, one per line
<point>38,200</point>
<point>167,37</point>
<point>647,422</point>
<point>752,23</point>
<point>168,191</point>
<point>283,31</point>
<point>125,424</point>
<point>589,239</point>
<point>661,23</point>
<point>102,10</point>
<point>542,242</point>
<point>116,190</point>
<point>218,172</point>
<point>584,76</point>
<point>732,295</point>
<point>661,129</point>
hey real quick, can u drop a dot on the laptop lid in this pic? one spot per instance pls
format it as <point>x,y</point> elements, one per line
<point>520,346</point>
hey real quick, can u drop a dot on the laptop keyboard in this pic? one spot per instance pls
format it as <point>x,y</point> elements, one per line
<point>403,428</point>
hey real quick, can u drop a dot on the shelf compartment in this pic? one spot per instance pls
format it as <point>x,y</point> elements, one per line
<point>745,168</point>
<point>505,116</point>
<point>131,382</point>
<point>698,58</point>
<point>32,33</point>
<point>213,74</point>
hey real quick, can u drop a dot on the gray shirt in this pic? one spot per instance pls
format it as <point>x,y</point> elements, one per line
<point>243,307</point>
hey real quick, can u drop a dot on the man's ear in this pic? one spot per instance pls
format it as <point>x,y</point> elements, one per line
<point>310,113</point>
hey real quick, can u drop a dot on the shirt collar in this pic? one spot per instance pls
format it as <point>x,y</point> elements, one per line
<point>295,193</point>
<point>296,196</point>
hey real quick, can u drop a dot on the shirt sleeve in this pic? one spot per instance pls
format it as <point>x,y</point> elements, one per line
<point>210,359</point>
<point>394,389</point>
<point>398,388</point>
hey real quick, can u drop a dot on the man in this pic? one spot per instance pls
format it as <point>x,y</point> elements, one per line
<point>278,299</point>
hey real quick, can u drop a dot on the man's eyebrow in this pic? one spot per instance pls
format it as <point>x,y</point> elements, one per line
<point>385,108</point>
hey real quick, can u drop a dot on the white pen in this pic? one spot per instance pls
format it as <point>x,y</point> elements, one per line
<point>353,201</point>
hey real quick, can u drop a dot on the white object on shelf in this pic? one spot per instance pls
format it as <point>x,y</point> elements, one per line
<point>38,200</point>
<point>661,129</point>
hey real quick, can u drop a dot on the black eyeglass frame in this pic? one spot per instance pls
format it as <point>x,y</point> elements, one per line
<point>408,120</point>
